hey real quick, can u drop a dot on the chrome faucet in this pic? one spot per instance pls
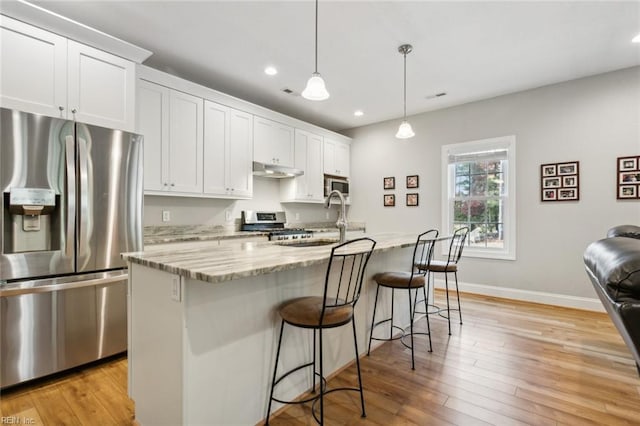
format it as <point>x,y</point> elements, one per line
<point>341,223</point>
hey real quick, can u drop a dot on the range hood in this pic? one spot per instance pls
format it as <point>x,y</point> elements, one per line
<point>275,170</point>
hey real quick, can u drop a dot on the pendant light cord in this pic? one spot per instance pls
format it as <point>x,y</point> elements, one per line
<point>405,86</point>
<point>316,36</point>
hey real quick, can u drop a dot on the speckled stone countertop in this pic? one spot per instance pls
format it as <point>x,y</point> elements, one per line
<point>218,263</point>
<point>184,233</point>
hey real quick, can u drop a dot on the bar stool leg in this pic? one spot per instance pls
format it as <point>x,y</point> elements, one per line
<point>321,377</point>
<point>411,311</point>
<point>458,294</point>
<point>426,311</point>
<point>313,372</point>
<point>355,344</point>
<point>373,320</point>
<point>275,370</point>
<point>446,284</point>
<point>393,292</point>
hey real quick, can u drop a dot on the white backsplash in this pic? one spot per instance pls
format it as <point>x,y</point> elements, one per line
<point>212,212</point>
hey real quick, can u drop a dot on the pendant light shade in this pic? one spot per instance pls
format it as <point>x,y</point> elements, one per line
<point>316,89</point>
<point>405,131</point>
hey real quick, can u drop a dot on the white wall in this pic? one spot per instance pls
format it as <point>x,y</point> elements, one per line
<point>210,211</point>
<point>592,120</point>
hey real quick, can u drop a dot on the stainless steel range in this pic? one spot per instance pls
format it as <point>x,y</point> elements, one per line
<point>274,223</point>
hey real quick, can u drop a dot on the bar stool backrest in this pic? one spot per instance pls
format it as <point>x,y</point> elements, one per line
<point>423,251</point>
<point>345,273</point>
<point>457,245</point>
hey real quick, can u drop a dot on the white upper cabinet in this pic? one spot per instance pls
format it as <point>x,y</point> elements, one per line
<point>33,69</point>
<point>44,73</point>
<point>273,142</point>
<point>336,158</point>
<point>308,157</point>
<point>171,123</point>
<point>228,151</point>
<point>101,87</point>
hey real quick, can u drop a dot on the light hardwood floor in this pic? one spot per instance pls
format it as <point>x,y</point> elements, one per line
<point>510,363</point>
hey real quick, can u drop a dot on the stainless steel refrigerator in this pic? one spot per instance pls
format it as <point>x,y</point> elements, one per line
<point>72,198</point>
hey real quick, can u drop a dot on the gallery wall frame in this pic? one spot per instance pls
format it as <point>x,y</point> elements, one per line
<point>628,178</point>
<point>560,181</point>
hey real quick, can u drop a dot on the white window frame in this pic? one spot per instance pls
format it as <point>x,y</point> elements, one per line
<point>508,252</point>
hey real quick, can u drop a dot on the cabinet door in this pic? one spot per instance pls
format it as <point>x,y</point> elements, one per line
<point>273,142</point>
<point>216,136</point>
<point>329,156</point>
<point>33,69</point>
<point>153,124</point>
<point>100,87</point>
<point>185,142</point>
<point>308,157</point>
<point>342,158</point>
<point>240,154</point>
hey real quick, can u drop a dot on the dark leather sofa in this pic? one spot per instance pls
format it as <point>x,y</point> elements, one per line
<point>613,265</point>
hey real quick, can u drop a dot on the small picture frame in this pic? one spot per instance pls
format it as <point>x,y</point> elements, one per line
<point>628,181</point>
<point>412,199</point>
<point>549,170</point>
<point>413,181</point>
<point>628,191</point>
<point>560,181</point>
<point>389,200</point>
<point>389,182</point>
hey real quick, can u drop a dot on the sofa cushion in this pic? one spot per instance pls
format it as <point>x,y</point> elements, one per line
<point>615,263</point>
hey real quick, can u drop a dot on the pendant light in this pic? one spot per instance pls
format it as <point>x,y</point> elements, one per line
<point>316,90</point>
<point>405,131</point>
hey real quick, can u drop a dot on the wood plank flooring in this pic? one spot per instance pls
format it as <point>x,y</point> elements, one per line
<point>511,363</point>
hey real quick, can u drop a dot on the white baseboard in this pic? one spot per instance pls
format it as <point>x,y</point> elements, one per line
<point>589,304</point>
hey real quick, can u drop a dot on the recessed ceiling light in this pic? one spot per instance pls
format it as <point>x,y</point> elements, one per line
<point>270,70</point>
<point>636,39</point>
<point>358,113</point>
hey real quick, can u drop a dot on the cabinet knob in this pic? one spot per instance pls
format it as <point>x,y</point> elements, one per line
<point>165,184</point>
<point>61,108</point>
<point>173,184</point>
<point>73,111</point>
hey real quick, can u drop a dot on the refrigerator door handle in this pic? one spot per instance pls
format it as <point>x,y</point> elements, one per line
<point>84,216</point>
<point>71,194</point>
<point>50,285</point>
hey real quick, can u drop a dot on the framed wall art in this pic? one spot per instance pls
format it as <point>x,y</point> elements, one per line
<point>412,181</point>
<point>628,178</point>
<point>389,182</point>
<point>560,181</point>
<point>412,199</point>
<point>389,200</point>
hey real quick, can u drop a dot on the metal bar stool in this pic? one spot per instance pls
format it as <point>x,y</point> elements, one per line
<point>414,280</point>
<point>335,308</point>
<point>456,246</point>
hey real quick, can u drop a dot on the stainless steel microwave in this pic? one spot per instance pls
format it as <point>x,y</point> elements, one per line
<point>341,184</point>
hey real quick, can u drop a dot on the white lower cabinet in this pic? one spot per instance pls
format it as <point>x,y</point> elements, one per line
<point>171,123</point>
<point>228,151</point>
<point>308,157</point>
<point>44,73</point>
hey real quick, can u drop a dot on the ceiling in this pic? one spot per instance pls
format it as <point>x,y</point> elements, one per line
<point>470,50</point>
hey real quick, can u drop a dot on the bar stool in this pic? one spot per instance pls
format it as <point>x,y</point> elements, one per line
<point>414,280</point>
<point>335,308</point>
<point>456,246</point>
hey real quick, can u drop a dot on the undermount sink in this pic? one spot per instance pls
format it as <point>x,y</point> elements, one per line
<point>307,243</point>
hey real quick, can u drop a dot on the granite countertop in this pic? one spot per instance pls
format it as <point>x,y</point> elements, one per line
<point>218,263</point>
<point>185,233</point>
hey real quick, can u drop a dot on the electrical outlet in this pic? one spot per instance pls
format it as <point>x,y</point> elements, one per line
<point>326,215</point>
<point>166,216</point>
<point>227,215</point>
<point>297,215</point>
<point>175,289</point>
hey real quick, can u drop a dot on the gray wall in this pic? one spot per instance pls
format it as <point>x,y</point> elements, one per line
<point>592,120</point>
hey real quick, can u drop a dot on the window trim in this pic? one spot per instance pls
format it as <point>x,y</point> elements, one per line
<point>502,142</point>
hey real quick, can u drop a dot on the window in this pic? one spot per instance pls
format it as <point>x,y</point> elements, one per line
<point>479,192</point>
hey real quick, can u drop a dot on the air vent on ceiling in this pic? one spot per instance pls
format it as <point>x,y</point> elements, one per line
<point>436,95</point>
<point>290,92</point>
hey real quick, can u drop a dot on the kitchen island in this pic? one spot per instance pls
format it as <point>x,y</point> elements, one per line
<point>203,325</point>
